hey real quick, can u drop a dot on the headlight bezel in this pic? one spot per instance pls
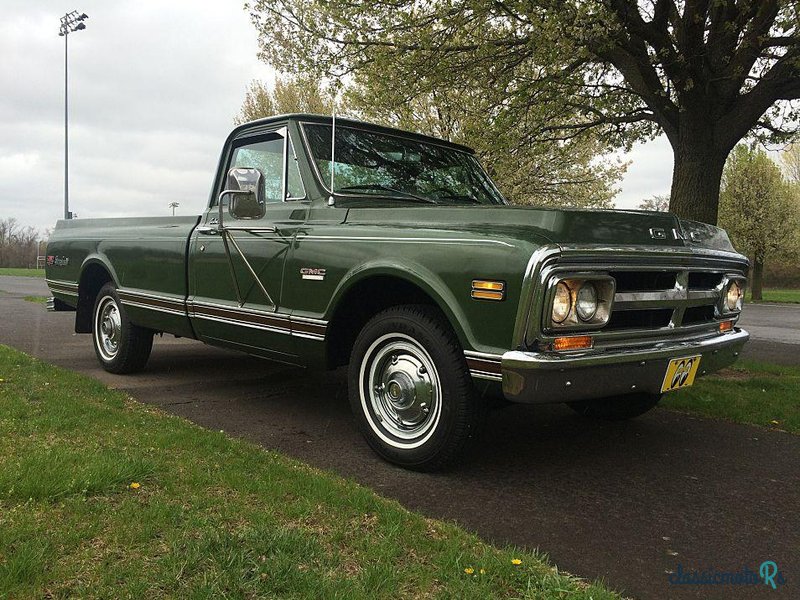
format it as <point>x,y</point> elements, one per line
<point>605,288</point>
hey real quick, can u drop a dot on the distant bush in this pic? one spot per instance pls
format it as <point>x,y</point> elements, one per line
<point>19,246</point>
<point>784,274</point>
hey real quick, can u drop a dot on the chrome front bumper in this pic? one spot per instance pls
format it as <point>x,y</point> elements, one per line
<point>545,377</point>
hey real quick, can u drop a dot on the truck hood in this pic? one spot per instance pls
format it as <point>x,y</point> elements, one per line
<point>561,226</point>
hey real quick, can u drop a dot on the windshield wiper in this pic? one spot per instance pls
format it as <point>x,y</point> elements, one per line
<point>384,188</point>
<point>457,197</point>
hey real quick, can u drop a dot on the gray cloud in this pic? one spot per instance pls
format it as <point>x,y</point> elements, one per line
<point>154,87</point>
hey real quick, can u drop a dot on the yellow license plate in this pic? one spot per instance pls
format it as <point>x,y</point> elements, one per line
<point>680,373</point>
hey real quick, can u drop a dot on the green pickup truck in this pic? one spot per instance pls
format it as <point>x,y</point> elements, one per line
<point>331,242</point>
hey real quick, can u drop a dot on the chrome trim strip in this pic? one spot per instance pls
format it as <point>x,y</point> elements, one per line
<point>144,296</point>
<point>260,327</point>
<point>237,309</point>
<point>62,282</point>
<point>308,320</point>
<point>254,319</point>
<point>484,375</point>
<point>59,286</point>
<point>308,336</point>
<point>170,311</point>
<point>256,312</point>
<point>249,324</point>
<point>483,355</point>
<point>55,290</point>
<point>409,240</point>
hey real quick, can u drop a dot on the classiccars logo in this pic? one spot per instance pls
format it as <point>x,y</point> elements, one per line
<point>312,274</point>
<point>767,574</point>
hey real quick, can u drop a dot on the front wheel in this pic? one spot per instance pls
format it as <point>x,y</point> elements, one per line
<point>120,346</point>
<point>411,391</point>
<point>616,408</point>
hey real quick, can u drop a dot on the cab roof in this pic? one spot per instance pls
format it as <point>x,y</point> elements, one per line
<point>326,119</point>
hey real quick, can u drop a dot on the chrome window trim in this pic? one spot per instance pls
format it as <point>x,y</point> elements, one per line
<point>281,130</point>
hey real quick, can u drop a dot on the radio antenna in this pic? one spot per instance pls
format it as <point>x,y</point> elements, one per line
<point>331,200</point>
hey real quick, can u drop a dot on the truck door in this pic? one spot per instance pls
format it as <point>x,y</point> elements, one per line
<point>235,293</point>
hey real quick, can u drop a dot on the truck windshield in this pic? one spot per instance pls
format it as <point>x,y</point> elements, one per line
<point>384,165</point>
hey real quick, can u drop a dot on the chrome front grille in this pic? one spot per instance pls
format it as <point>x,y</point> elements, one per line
<point>649,299</point>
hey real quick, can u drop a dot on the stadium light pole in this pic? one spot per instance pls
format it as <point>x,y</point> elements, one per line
<point>70,22</point>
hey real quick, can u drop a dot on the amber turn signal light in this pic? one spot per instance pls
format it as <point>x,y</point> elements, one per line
<point>483,289</point>
<point>573,342</point>
<point>726,326</point>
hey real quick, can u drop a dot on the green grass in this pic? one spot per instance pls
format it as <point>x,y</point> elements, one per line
<point>778,295</point>
<point>36,299</point>
<point>748,392</point>
<point>212,517</point>
<point>9,271</point>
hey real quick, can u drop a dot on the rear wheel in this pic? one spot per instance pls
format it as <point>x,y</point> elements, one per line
<point>616,408</point>
<point>411,391</point>
<point>120,346</point>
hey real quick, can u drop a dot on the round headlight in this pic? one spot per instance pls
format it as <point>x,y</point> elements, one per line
<point>586,302</point>
<point>562,303</point>
<point>733,299</point>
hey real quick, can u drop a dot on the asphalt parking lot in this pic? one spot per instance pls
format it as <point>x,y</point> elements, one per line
<point>624,502</point>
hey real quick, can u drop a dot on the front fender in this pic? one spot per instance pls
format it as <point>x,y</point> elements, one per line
<point>420,276</point>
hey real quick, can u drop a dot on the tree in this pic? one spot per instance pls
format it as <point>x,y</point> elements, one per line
<point>548,174</point>
<point>659,203</point>
<point>300,94</point>
<point>757,209</point>
<point>19,246</point>
<point>790,158</point>
<point>572,173</point>
<point>707,73</point>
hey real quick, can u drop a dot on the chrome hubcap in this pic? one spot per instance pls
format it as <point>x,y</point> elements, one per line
<point>402,389</point>
<point>108,328</point>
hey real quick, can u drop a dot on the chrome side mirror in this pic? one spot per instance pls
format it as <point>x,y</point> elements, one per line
<point>245,194</point>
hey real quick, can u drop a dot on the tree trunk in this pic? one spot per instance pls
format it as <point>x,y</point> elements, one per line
<point>758,276</point>
<point>696,179</point>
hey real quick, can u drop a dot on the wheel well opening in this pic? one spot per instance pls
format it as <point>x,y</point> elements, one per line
<point>360,303</point>
<point>93,278</point>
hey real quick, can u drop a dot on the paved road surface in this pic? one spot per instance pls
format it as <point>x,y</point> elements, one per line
<point>623,502</point>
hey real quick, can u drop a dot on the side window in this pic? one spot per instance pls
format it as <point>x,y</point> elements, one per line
<point>266,155</point>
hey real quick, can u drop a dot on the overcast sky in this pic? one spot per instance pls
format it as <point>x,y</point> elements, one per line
<point>154,87</point>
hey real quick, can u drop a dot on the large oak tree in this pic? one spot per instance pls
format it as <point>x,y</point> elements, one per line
<point>759,209</point>
<point>705,72</point>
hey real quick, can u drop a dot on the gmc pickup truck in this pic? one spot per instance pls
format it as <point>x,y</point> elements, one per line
<point>330,242</point>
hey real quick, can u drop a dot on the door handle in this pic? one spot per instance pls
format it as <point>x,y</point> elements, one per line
<point>207,230</point>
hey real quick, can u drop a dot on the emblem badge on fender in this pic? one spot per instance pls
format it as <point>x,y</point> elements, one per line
<point>312,274</point>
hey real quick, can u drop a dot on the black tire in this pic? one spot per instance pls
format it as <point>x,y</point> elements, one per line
<point>616,408</point>
<point>120,346</point>
<point>425,391</point>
